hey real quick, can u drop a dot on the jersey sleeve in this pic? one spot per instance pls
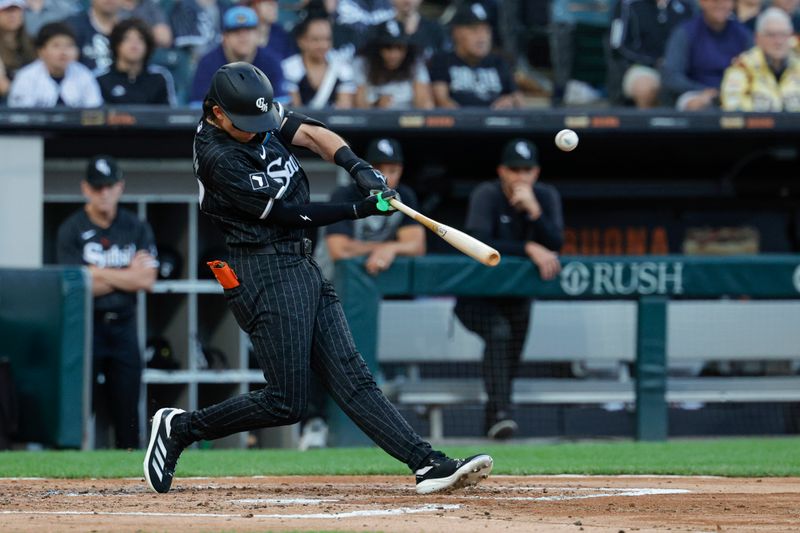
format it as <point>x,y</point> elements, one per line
<point>146,240</point>
<point>68,246</point>
<point>250,190</point>
<point>343,227</point>
<point>439,68</point>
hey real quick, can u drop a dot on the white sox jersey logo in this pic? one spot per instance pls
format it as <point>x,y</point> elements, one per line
<point>114,257</point>
<point>258,180</point>
<point>279,171</point>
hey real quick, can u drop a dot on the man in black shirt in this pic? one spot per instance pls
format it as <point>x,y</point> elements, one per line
<point>517,216</point>
<point>92,29</point>
<point>130,80</point>
<point>253,187</point>
<point>471,75</point>
<point>120,252</point>
<point>380,239</point>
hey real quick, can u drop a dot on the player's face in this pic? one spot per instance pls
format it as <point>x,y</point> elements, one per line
<point>775,40</point>
<point>222,121</point>
<point>393,56</point>
<point>57,53</point>
<point>241,44</point>
<point>103,199</point>
<point>317,40</point>
<point>11,19</point>
<point>512,177</point>
<point>132,48</point>
<point>392,171</point>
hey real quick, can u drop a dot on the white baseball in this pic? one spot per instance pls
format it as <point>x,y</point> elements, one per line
<point>567,140</point>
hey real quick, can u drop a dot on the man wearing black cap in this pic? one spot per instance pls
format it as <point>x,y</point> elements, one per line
<point>120,252</point>
<point>517,216</point>
<point>471,75</point>
<point>381,239</point>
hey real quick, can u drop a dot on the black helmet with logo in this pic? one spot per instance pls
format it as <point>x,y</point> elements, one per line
<point>245,94</point>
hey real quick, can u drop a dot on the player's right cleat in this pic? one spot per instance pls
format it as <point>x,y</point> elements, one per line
<point>162,452</point>
<point>442,473</point>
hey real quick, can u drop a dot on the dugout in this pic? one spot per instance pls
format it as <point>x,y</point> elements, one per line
<point>639,183</point>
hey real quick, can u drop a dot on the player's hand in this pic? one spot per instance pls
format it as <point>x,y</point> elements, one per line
<point>523,199</point>
<point>368,180</point>
<point>546,260</point>
<point>380,259</point>
<point>369,205</point>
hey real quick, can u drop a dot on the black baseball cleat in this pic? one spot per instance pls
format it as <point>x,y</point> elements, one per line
<point>443,473</point>
<point>162,452</point>
<point>502,429</point>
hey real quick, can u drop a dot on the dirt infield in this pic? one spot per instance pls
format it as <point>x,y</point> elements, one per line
<point>502,503</point>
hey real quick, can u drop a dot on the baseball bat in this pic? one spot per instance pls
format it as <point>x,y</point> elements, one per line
<point>457,239</point>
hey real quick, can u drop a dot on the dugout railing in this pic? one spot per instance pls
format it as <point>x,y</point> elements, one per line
<point>657,287</point>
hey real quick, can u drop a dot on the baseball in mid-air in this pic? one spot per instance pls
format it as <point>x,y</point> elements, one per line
<point>567,140</point>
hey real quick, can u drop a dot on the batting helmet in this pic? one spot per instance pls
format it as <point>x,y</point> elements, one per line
<point>245,94</point>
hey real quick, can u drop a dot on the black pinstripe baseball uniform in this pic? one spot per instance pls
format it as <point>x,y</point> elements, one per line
<point>292,314</point>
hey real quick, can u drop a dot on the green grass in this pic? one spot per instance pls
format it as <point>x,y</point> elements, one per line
<point>723,457</point>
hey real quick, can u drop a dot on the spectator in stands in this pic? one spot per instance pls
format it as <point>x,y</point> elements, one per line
<point>151,13</point>
<point>389,74</point>
<point>346,38</point>
<point>130,80</point>
<point>699,51</point>
<point>56,78</point>
<point>639,33</point>
<point>379,240</point>
<point>40,12</point>
<point>318,77</point>
<point>766,77</point>
<point>196,25</point>
<point>120,253</point>
<point>519,216</point>
<point>270,34</point>
<point>424,34</point>
<point>239,43</point>
<point>359,17</point>
<point>471,75</point>
<point>16,48</point>
<point>747,12</point>
<point>92,29</point>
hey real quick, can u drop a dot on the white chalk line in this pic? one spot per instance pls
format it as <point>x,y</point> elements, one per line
<point>428,508</point>
<point>283,501</point>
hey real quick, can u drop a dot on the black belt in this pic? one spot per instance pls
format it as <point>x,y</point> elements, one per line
<point>302,247</point>
<point>107,317</point>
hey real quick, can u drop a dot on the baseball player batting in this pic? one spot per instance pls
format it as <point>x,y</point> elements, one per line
<point>258,195</point>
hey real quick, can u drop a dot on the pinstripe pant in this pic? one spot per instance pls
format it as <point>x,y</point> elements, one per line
<point>296,323</point>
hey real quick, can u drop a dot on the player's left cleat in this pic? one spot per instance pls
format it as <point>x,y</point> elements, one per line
<point>443,473</point>
<point>162,452</point>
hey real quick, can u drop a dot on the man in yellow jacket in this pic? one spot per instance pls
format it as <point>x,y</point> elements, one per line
<point>766,77</point>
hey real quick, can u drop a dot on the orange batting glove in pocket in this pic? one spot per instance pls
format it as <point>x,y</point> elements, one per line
<point>224,274</point>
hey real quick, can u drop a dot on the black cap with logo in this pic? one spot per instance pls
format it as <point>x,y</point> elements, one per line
<point>390,33</point>
<point>102,170</point>
<point>384,150</point>
<point>520,153</point>
<point>469,13</point>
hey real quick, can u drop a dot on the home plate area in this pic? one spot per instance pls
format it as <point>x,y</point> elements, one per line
<point>389,503</point>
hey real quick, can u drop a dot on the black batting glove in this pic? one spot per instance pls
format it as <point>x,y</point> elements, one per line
<point>370,206</point>
<point>368,180</point>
